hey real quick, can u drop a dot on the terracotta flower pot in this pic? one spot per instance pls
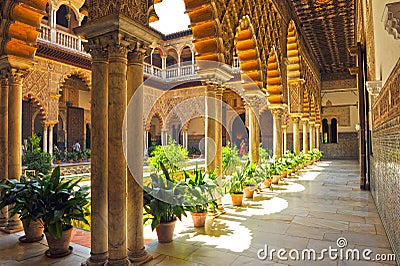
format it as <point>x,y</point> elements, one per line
<point>237,199</point>
<point>249,191</point>
<point>275,179</point>
<point>165,232</point>
<point>284,174</point>
<point>59,246</point>
<point>267,182</point>
<point>199,218</point>
<point>33,232</point>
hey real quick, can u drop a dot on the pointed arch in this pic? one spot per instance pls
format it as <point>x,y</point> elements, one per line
<point>248,51</point>
<point>274,79</point>
<point>293,53</point>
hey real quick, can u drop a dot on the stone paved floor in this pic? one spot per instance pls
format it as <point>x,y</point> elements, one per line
<point>311,212</point>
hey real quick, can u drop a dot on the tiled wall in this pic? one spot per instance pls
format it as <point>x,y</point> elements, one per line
<point>385,161</point>
<point>345,148</point>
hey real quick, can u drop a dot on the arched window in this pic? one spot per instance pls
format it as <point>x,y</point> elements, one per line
<point>325,131</point>
<point>334,130</point>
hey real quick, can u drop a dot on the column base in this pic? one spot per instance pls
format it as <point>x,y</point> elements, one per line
<point>3,222</point>
<point>96,260</point>
<point>11,230</point>
<point>139,257</point>
<point>120,262</point>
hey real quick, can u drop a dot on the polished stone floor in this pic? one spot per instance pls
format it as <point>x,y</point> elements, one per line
<point>319,209</point>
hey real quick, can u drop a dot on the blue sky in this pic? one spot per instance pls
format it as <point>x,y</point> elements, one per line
<point>172,16</point>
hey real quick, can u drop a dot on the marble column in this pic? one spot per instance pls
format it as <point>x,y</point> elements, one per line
<point>318,136</point>
<point>146,143</point>
<point>164,136</point>
<point>14,138</point>
<point>135,237</point>
<point>254,132</point>
<point>312,136</point>
<point>305,135</point>
<point>186,139</point>
<point>210,128</point>
<point>277,115</point>
<point>117,98</point>
<point>45,137</point>
<point>50,149</point>
<point>284,132</point>
<point>99,155</point>
<point>218,142</point>
<point>296,134</point>
<point>4,141</point>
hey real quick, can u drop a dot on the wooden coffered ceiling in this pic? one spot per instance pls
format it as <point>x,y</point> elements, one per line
<point>329,27</point>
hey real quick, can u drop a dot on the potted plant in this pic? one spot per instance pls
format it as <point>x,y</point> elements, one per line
<point>275,170</point>
<point>201,195</point>
<point>88,154</point>
<point>80,155</point>
<point>22,199</point>
<point>71,156</point>
<point>250,181</point>
<point>61,201</point>
<point>235,185</point>
<point>263,174</point>
<point>59,156</point>
<point>163,200</point>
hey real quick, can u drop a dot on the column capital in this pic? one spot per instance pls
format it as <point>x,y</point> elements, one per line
<point>295,118</point>
<point>277,111</point>
<point>136,57</point>
<point>16,76</point>
<point>97,48</point>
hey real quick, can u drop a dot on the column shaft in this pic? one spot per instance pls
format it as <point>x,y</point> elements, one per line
<point>117,98</point>
<point>312,136</point>
<point>210,124</point>
<point>135,239</point>
<point>14,139</point>
<point>4,141</point>
<point>45,135</point>
<point>296,135</point>
<point>254,131</point>
<point>99,158</point>
<point>305,136</point>
<point>284,129</point>
<point>318,137</point>
<point>50,149</point>
<point>277,114</point>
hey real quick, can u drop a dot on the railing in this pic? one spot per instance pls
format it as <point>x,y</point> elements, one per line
<point>61,38</point>
<point>170,74</point>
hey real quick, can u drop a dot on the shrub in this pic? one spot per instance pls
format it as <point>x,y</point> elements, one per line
<point>172,156</point>
<point>230,159</point>
<point>34,158</point>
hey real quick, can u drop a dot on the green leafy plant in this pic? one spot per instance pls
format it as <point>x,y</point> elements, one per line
<point>201,192</point>
<point>236,183</point>
<point>61,201</point>
<point>34,158</point>
<point>264,155</point>
<point>172,156</point>
<point>59,156</point>
<point>275,167</point>
<point>163,199</point>
<point>71,156</point>
<point>88,153</point>
<point>21,197</point>
<point>194,151</point>
<point>230,158</point>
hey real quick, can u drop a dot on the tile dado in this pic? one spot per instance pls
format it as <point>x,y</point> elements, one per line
<point>385,162</point>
